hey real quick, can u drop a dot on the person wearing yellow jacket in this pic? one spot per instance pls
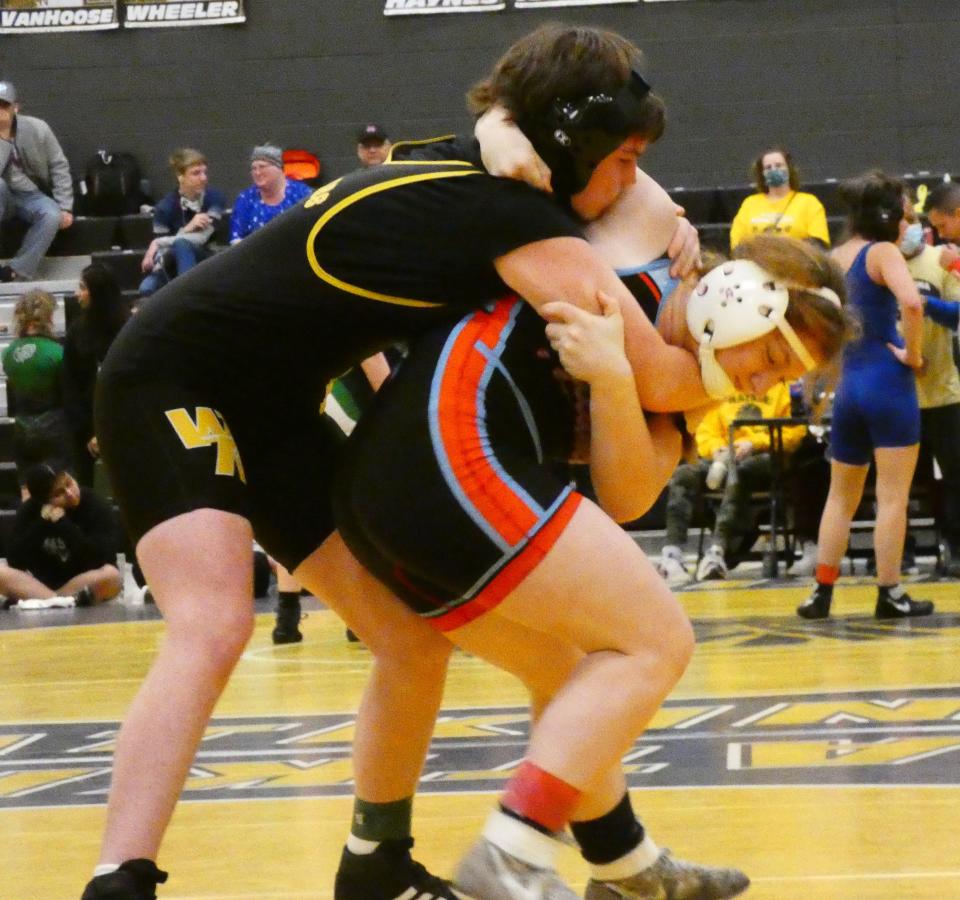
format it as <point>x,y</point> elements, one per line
<point>752,464</point>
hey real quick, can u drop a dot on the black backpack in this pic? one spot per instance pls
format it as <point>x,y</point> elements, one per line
<point>112,185</point>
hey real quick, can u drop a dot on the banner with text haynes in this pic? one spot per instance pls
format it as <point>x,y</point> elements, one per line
<point>179,13</point>
<point>31,16</point>
<point>428,7</point>
<point>543,4</point>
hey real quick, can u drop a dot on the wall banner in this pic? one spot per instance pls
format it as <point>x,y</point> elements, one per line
<point>181,13</point>
<point>31,16</point>
<point>429,7</point>
<point>543,4</point>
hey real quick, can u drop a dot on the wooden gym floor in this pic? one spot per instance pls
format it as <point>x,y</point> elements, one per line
<point>822,758</point>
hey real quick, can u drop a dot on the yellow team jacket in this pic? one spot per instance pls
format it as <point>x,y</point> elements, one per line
<point>798,215</point>
<point>713,431</point>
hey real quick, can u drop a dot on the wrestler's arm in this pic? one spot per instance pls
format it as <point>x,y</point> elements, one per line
<point>631,457</point>
<point>567,268</point>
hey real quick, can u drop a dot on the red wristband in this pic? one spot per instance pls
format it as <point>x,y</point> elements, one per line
<point>954,266</point>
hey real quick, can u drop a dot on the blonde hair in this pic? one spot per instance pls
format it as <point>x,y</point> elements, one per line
<point>807,268</point>
<point>184,158</point>
<point>33,313</point>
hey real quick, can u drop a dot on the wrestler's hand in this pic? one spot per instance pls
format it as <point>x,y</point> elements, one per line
<point>590,346</point>
<point>51,512</point>
<point>684,248</point>
<point>506,152</point>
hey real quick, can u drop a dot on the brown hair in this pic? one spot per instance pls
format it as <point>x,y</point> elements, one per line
<point>565,62</point>
<point>34,313</point>
<point>757,170</point>
<point>803,265</point>
<point>184,158</point>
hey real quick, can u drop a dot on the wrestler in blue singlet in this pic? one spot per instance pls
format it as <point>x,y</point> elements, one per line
<point>876,400</point>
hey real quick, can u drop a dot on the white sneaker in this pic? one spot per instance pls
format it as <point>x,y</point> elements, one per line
<point>671,567</point>
<point>807,564</point>
<point>493,874</point>
<point>673,878</point>
<point>713,567</point>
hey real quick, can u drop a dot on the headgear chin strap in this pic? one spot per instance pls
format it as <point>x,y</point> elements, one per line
<point>734,304</point>
<point>574,136</point>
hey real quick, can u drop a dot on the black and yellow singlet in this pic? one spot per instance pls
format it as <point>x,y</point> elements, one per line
<point>372,258</point>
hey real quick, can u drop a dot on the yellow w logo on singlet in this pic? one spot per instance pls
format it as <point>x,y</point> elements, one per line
<point>207,430</point>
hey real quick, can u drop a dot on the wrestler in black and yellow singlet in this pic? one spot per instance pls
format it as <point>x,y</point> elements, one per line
<point>210,396</point>
<point>447,492</point>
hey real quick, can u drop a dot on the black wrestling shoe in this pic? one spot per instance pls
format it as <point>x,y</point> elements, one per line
<point>901,607</point>
<point>7,275</point>
<point>136,879</point>
<point>817,605</point>
<point>388,873</point>
<point>288,618</point>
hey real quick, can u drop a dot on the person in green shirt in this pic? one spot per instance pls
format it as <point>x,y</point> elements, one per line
<point>32,364</point>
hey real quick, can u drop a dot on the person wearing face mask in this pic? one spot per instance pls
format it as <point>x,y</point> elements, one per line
<point>938,383</point>
<point>876,416</point>
<point>779,206</point>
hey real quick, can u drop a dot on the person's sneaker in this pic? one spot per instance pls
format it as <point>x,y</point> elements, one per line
<point>388,873</point>
<point>817,605</point>
<point>136,879</point>
<point>900,606</point>
<point>713,567</point>
<point>286,630</point>
<point>85,596</point>
<point>671,879</point>
<point>671,567</point>
<point>7,274</point>
<point>806,565</point>
<point>490,873</point>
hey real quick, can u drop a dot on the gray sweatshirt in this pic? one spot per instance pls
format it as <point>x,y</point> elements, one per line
<point>41,159</point>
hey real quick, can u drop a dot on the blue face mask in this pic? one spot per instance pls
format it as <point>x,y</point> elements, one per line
<point>912,239</point>
<point>776,177</point>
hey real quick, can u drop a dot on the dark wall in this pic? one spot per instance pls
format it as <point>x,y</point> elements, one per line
<point>845,84</point>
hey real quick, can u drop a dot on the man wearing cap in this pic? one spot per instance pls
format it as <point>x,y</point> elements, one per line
<point>35,184</point>
<point>373,146</point>
<point>62,545</point>
<point>269,195</point>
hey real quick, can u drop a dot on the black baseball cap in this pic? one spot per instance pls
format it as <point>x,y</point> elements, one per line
<point>372,134</point>
<point>39,480</point>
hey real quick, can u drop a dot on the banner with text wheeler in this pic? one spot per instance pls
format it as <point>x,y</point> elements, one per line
<point>31,16</point>
<point>181,13</point>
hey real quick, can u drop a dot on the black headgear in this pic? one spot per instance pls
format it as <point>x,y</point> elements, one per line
<point>576,135</point>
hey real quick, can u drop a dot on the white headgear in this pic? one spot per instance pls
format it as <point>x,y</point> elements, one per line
<point>735,303</point>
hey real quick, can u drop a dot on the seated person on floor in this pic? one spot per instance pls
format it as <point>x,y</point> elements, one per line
<point>748,471</point>
<point>62,546</point>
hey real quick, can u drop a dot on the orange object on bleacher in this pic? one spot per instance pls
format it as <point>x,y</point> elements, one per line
<point>301,165</point>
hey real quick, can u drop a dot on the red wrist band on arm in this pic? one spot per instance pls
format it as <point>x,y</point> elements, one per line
<point>954,266</point>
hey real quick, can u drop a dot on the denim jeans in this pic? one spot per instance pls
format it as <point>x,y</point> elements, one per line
<point>181,256</point>
<point>42,214</point>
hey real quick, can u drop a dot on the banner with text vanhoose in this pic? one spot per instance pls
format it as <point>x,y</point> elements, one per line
<point>31,16</point>
<point>181,13</point>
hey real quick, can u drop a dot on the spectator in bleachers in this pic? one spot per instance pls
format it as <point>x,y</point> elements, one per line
<point>938,382</point>
<point>103,311</point>
<point>943,212</point>
<point>876,416</point>
<point>269,195</point>
<point>33,364</point>
<point>373,146</point>
<point>748,471</point>
<point>35,184</point>
<point>779,206</point>
<point>183,222</point>
<point>63,544</point>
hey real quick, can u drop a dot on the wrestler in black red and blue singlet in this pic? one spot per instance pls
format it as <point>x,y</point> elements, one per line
<point>210,396</point>
<point>447,492</point>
